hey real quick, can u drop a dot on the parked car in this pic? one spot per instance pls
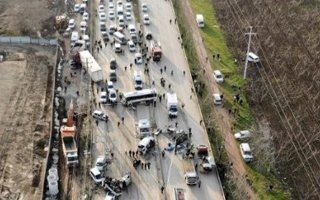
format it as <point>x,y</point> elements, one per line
<point>103,97</point>
<point>110,86</point>
<point>112,15</point>
<point>138,58</point>
<point>144,7</point>
<point>111,6</point>
<point>98,114</point>
<point>128,16</point>
<point>217,100</point>
<point>242,135</point>
<point>146,19</point>
<point>102,17</point>
<point>112,29</point>
<point>218,77</point>
<point>131,46</point>
<point>76,8</point>
<point>113,96</point>
<point>85,16</point>
<point>246,152</point>
<point>113,63</point>
<point>128,6</point>
<point>101,163</point>
<point>101,8</point>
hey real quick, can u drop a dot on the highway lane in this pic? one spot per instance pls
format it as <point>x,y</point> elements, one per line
<point>167,34</point>
<point>123,138</point>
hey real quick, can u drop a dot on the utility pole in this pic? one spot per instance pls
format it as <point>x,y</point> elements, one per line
<point>248,50</point>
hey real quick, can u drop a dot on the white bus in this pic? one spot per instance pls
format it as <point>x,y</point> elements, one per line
<point>146,95</point>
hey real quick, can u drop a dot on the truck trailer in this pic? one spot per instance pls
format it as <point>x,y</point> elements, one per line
<point>91,65</point>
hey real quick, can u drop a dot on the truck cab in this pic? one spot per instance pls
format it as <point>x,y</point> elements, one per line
<point>190,175</point>
<point>156,51</point>
<point>144,128</point>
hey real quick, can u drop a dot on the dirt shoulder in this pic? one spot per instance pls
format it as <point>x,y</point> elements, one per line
<point>27,17</point>
<point>26,82</point>
<point>222,119</point>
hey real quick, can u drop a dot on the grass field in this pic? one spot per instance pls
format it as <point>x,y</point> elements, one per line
<point>215,42</point>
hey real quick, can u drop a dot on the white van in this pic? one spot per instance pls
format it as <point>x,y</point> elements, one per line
<point>145,144</point>
<point>200,20</point>
<point>101,163</point>
<point>217,100</point>
<point>144,128</point>
<point>253,57</point>
<point>96,175</point>
<point>138,80</point>
<point>83,26</point>
<point>120,38</point>
<point>246,152</point>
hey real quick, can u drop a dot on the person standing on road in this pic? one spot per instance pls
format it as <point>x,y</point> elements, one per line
<point>130,153</point>
<point>171,72</point>
<point>133,153</point>
<point>161,70</point>
<point>199,183</point>
<point>118,124</point>
<point>162,189</point>
<point>176,124</point>
<point>170,21</point>
<point>165,68</point>
<point>149,165</point>
<point>163,153</point>
<point>122,119</point>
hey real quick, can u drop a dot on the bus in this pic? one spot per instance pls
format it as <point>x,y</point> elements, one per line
<point>140,96</point>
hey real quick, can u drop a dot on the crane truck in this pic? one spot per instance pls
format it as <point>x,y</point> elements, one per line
<point>68,137</point>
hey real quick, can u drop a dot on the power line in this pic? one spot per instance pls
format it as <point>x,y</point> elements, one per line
<point>248,50</point>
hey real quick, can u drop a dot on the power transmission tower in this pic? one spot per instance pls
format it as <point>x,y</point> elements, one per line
<point>248,50</point>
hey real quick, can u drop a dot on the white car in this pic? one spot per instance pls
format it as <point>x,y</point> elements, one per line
<point>83,26</point>
<point>72,24</point>
<point>101,163</point>
<point>128,16</point>
<point>110,86</point>
<point>112,15</point>
<point>138,58</point>
<point>113,95</point>
<point>111,6</point>
<point>131,46</point>
<point>128,6</point>
<point>103,97</point>
<point>119,4</point>
<point>218,77</point>
<point>85,16</point>
<point>246,152</point>
<point>98,114</point>
<point>146,19</point>
<point>76,7</point>
<point>144,7</point>
<point>101,8</point>
<point>121,20</point>
<point>242,135</point>
<point>217,100</point>
<point>112,29</point>
<point>102,17</point>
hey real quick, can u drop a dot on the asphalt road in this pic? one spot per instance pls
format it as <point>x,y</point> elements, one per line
<point>147,183</point>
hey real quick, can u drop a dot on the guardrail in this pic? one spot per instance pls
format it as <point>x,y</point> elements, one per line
<point>28,40</point>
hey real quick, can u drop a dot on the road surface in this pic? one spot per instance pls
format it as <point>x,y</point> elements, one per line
<point>119,139</point>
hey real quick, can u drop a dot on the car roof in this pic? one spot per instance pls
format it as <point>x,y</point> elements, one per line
<point>216,96</point>
<point>112,91</point>
<point>103,93</point>
<point>217,72</point>
<point>245,132</point>
<point>100,159</point>
<point>98,111</point>
<point>95,171</point>
<point>245,146</point>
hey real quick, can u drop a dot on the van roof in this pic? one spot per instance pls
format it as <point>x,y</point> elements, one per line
<point>95,171</point>
<point>253,55</point>
<point>216,96</point>
<point>144,123</point>
<point>217,72</point>
<point>245,146</point>
<point>145,141</point>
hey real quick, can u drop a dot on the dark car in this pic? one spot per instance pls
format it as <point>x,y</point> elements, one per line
<point>113,63</point>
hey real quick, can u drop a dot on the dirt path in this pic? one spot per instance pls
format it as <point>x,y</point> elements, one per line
<point>221,117</point>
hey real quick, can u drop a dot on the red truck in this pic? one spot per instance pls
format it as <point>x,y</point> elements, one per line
<point>156,51</point>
